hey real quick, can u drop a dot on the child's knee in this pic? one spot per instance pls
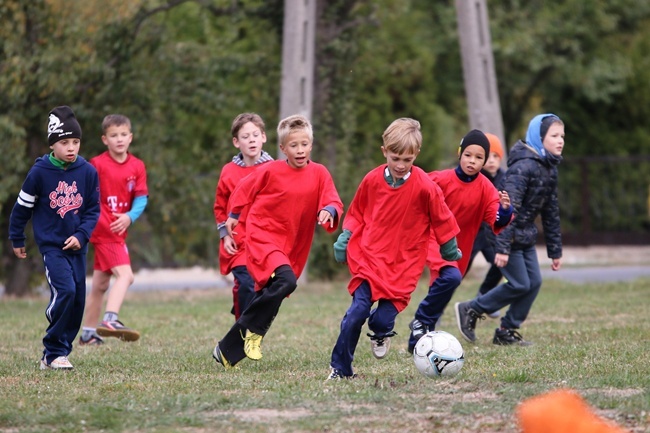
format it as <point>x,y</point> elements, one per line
<point>286,279</point>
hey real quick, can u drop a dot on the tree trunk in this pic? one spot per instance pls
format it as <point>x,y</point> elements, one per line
<point>19,278</point>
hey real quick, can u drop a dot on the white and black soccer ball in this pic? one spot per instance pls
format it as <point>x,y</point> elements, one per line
<point>438,354</point>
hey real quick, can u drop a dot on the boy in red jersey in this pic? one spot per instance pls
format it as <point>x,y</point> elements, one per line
<point>473,199</point>
<point>248,135</point>
<point>384,241</point>
<point>286,199</point>
<point>123,193</point>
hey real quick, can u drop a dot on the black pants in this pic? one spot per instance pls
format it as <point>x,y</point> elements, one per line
<point>259,314</point>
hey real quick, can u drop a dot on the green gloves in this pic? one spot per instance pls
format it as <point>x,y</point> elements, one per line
<point>341,246</point>
<point>450,252</point>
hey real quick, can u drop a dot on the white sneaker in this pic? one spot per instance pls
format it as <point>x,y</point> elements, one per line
<point>60,363</point>
<point>380,345</point>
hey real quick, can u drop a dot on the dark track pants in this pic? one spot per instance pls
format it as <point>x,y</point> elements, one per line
<point>66,276</point>
<point>259,314</point>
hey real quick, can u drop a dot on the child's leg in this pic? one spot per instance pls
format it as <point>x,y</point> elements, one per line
<point>245,289</point>
<point>235,310</point>
<point>492,279</point>
<point>259,315</point>
<point>381,323</point>
<point>261,312</point>
<point>123,280</point>
<point>232,344</point>
<point>78,263</point>
<point>100,283</point>
<point>493,275</point>
<point>60,311</point>
<point>382,319</point>
<point>440,293</point>
<point>355,317</point>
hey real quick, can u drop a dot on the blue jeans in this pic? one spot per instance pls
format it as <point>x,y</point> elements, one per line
<point>381,321</point>
<point>523,281</point>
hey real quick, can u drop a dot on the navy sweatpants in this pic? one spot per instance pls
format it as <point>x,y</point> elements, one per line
<point>381,322</point>
<point>66,276</point>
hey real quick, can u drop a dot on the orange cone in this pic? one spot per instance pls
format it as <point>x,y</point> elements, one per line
<point>561,411</point>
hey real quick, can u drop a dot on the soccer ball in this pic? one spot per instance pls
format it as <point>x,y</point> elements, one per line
<point>438,354</point>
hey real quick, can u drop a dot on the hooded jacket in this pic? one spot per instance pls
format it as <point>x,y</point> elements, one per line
<point>531,183</point>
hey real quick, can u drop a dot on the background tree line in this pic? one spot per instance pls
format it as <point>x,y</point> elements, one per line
<point>182,69</point>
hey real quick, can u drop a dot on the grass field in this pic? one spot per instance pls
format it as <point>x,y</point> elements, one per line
<point>592,338</point>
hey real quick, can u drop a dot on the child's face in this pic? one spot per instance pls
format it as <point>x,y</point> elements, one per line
<point>118,139</point>
<point>472,159</point>
<point>493,163</point>
<point>297,148</point>
<point>67,149</point>
<point>398,165</point>
<point>554,139</point>
<point>249,141</point>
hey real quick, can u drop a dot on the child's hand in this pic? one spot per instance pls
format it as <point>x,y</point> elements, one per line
<point>229,245</point>
<point>231,223</point>
<point>20,252</point>
<point>504,199</point>
<point>72,243</point>
<point>324,216</point>
<point>121,223</point>
<point>556,264</point>
<point>501,260</point>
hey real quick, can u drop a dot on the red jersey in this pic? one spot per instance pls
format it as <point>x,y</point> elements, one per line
<point>119,184</point>
<point>283,209</point>
<point>471,203</point>
<point>391,231</point>
<point>230,176</point>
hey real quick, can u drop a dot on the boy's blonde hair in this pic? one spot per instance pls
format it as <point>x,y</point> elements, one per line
<point>403,136</point>
<point>294,123</point>
<point>242,119</point>
<point>115,120</point>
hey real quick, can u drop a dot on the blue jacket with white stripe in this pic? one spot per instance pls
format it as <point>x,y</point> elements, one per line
<point>62,203</point>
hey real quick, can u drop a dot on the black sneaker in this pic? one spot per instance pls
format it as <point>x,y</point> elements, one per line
<point>466,319</point>
<point>336,374</point>
<point>418,329</point>
<point>508,337</point>
<point>218,356</point>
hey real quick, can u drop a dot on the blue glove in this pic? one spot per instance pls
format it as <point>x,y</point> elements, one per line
<point>450,252</point>
<point>341,246</point>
